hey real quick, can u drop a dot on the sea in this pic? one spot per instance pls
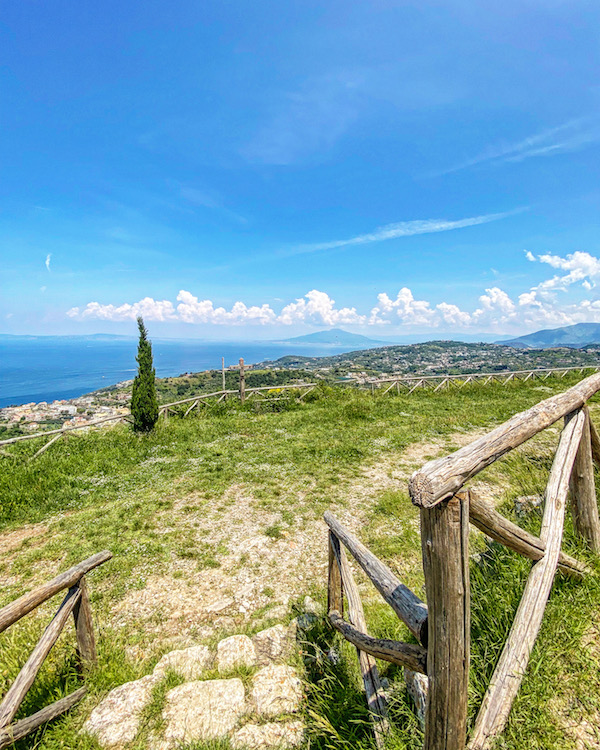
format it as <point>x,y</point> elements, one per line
<point>50,368</point>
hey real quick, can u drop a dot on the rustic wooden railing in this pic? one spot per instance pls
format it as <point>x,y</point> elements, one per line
<point>410,383</point>
<point>442,627</point>
<point>77,602</point>
<point>244,395</point>
<point>165,410</point>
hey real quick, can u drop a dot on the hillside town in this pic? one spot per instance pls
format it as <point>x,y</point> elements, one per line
<point>77,412</point>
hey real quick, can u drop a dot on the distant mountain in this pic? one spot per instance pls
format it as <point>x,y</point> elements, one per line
<point>335,336</point>
<point>575,337</point>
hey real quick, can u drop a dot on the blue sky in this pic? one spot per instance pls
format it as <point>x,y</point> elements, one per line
<point>247,170</point>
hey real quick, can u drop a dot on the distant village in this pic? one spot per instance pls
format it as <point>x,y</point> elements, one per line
<point>76,412</point>
<point>360,367</point>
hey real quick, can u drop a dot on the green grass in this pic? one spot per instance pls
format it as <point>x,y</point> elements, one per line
<point>141,495</point>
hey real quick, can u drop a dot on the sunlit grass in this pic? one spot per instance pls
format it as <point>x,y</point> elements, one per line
<point>114,489</point>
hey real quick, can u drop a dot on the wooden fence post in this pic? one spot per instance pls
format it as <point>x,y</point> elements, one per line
<point>242,382</point>
<point>223,371</point>
<point>84,627</point>
<point>444,540</point>
<point>584,505</point>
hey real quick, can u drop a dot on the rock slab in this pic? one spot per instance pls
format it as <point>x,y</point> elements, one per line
<point>190,663</point>
<point>272,644</point>
<point>276,690</point>
<point>203,710</point>
<point>235,651</point>
<point>115,721</point>
<point>256,736</point>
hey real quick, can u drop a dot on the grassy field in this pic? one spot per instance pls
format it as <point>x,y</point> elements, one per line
<point>232,497</point>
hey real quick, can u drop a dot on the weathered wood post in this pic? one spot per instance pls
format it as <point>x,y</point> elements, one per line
<point>584,505</point>
<point>242,381</point>
<point>444,541</point>
<point>223,371</point>
<point>84,627</point>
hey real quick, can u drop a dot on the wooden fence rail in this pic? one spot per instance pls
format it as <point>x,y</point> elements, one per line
<point>76,602</point>
<point>164,409</point>
<point>442,626</point>
<point>410,383</point>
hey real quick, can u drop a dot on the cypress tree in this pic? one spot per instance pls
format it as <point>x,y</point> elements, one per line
<point>144,405</point>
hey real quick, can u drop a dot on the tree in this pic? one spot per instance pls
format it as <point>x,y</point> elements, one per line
<point>144,405</point>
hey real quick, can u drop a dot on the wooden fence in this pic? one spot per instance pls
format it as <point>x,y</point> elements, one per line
<point>243,393</point>
<point>77,602</point>
<point>410,383</point>
<point>442,626</point>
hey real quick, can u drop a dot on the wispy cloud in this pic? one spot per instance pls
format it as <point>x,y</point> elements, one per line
<point>47,261</point>
<point>572,135</point>
<point>307,120</point>
<point>404,229</point>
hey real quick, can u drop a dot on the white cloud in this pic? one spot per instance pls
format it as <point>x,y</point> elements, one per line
<point>405,229</point>
<point>405,307</point>
<point>572,135</point>
<point>314,308</point>
<point>47,261</point>
<point>318,308</point>
<point>581,268</point>
<point>453,315</point>
<point>192,310</point>
<point>148,308</point>
<point>536,307</point>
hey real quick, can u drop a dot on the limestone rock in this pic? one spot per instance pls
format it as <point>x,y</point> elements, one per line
<point>268,735</point>
<point>188,662</point>
<point>115,721</point>
<point>235,651</point>
<point>202,710</point>
<point>312,607</point>
<point>272,644</point>
<point>276,690</point>
<point>528,503</point>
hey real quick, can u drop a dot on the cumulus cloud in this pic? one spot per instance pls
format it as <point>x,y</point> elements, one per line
<point>192,310</point>
<point>580,267</point>
<point>318,307</point>
<point>315,307</point>
<point>148,308</point>
<point>405,308</point>
<point>539,306</point>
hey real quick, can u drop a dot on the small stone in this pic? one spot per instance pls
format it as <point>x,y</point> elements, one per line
<point>276,690</point>
<point>268,735</point>
<point>202,710</point>
<point>115,720</point>
<point>220,605</point>
<point>278,612</point>
<point>528,503</point>
<point>190,663</point>
<point>272,644</point>
<point>235,651</point>
<point>311,606</point>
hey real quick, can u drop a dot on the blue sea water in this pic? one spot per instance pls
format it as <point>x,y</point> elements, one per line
<point>49,368</point>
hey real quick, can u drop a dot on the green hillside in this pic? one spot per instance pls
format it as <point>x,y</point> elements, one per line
<point>230,499</point>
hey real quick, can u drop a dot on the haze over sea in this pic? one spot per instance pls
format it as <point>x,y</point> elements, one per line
<point>49,368</point>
